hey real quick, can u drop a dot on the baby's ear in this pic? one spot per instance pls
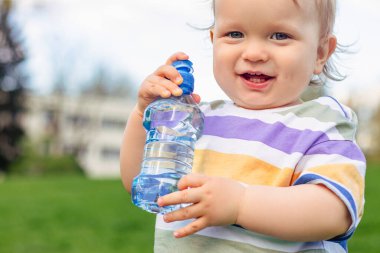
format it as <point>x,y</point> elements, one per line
<point>325,50</point>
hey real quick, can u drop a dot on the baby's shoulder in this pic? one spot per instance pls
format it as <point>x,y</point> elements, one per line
<point>333,105</point>
<point>325,109</point>
<point>329,116</point>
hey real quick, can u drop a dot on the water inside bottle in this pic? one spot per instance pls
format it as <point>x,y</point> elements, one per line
<point>173,120</point>
<point>147,188</point>
<point>173,126</point>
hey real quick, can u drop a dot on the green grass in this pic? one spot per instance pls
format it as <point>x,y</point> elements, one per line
<point>76,215</point>
<point>71,214</point>
<point>367,236</point>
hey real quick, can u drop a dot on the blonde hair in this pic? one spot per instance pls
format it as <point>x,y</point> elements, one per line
<point>326,13</point>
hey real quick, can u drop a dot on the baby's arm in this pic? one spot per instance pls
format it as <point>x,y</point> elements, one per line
<point>162,83</point>
<point>296,213</point>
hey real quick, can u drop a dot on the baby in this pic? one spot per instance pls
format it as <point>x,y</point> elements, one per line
<point>271,173</point>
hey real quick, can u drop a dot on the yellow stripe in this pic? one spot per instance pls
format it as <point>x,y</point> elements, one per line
<point>347,175</point>
<point>243,168</point>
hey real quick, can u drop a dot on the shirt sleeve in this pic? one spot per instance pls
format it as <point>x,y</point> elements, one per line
<point>340,166</point>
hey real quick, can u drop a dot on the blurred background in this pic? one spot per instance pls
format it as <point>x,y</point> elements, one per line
<point>69,74</point>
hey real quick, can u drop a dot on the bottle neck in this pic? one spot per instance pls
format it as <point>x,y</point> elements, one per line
<point>184,98</point>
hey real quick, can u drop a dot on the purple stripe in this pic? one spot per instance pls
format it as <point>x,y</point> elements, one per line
<point>167,118</point>
<point>276,135</point>
<point>345,148</point>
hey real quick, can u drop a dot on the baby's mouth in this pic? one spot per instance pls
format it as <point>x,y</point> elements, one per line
<point>256,77</point>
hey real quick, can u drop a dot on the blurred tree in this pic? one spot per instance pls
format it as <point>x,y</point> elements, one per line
<point>33,163</point>
<point>106,84</point>
<point>374,126</point>
<point>11,90</point>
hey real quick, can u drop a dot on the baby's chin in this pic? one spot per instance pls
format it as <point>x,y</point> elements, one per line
<point>251,107</point>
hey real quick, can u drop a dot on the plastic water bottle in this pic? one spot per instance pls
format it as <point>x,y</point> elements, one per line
<point>173,125</point>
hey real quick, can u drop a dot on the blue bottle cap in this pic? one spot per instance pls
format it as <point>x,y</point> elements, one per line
<point>184,65</point>
<point>185,69</point>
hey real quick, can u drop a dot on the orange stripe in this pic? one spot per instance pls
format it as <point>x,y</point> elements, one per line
<point>243,168</point>
<point>347,175</point>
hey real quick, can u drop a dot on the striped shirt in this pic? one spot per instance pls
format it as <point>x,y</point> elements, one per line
<point>309,143</point>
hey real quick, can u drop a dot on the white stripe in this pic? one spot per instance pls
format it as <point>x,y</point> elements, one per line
<point>251,148</point>
<point>311,161</point>
<point>234,234</point>
<point>333,247</point>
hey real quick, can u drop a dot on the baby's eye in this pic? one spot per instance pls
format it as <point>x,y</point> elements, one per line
<point>279,36</point>
<point>235,35</point>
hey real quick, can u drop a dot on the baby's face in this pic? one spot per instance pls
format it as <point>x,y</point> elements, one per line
<point>265,52</point>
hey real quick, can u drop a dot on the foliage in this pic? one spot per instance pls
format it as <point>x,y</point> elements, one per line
<point>11,90</point>
<point>33,163</point>
<point>374,127</point>
<point>106,84</point>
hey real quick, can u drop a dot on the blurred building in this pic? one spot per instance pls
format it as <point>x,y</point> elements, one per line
<point>90,127</point>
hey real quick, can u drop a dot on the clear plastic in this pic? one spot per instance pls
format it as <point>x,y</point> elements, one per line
<point>173,125</point>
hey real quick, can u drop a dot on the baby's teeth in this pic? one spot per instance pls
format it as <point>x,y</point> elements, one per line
<point>256,80</point>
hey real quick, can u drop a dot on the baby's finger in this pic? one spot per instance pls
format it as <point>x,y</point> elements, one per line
<point>196,98</point>
<point>177,56</point>
<point>192,181</point>
<point>169,72</point>
<point>180,197</point>
<point>191,228</point>
<point>189,212</point>
<point>163,87</point>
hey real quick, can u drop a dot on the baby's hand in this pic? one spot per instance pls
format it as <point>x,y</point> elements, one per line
<point>215,202</point>
<point>162,83</point>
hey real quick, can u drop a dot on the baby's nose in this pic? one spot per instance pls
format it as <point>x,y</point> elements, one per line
<point>255,51</point>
